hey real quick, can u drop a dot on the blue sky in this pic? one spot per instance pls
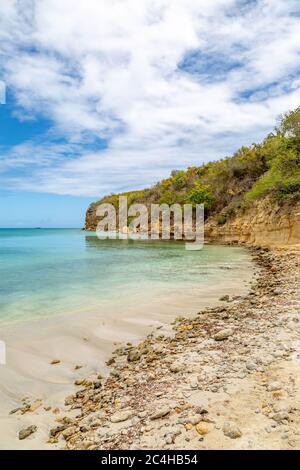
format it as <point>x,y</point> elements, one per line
<point>99,101</point>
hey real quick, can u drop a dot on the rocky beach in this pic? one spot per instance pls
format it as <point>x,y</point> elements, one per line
<point>225,379</point>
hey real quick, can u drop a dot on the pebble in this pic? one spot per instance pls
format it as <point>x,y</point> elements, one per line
<point>274,386</point>
<point>223,334</point>
<point>26,432</point>
<point>231,430</point>
<point>280,416</point>
<point>251,365</point>
<point>160,413</point>
<point>202,428</point>
<point>133,355</point>
<point>69,432</point>
<point>176,367</point>
<point>121,416</point>
<point>195,419</point>
<point>224,298</point>
<point>35,405</point>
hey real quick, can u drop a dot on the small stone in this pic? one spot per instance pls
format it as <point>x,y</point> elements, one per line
<point>160,413</point>
<point>35,405</point>
<point>26,432</point>
<point>15,410</point>
<point>194,383</point>
<point>69,400</point>
<point>189,426</point>
<point>251,365</point>
<point>223,334</point>
<point>57,430</point>
<point>133,355</point>
<point>169,440</point>
<point>121,416</point>
<point>274,386</point>
<point>86,444</point>
<point>55,361</point>
<point>195,419</point>
<point>69,432</point>
<point>175,367</point>
<point>202,428</point>
<point>280,416</point>
<point>231,430</point>
<point>224,298</point>
<point>79,382</point>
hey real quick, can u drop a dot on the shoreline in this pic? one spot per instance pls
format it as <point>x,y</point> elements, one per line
<point>226,379</point>
<point>81,344</point>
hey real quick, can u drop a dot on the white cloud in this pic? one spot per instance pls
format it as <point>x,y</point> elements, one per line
<point>114,70</point>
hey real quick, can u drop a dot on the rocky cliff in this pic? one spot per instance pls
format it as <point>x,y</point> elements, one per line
<point>251,197</point>
<point>266,223</point>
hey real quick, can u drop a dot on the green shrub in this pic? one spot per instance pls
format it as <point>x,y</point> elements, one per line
<point>200,195</point>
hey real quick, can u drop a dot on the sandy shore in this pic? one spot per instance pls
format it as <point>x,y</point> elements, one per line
<point>79,345</point>
<point>226,379</point>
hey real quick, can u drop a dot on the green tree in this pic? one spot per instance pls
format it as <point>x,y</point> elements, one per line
<point>200,195</point>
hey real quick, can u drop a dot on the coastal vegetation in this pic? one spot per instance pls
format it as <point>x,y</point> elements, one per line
<point>270,168</point>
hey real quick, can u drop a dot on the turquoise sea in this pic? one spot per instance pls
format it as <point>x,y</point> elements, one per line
<point>46,272</point>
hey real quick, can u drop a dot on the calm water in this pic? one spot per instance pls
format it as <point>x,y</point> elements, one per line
<point>46,272</point>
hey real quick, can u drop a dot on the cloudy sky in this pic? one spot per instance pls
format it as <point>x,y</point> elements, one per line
<point>110,95</point>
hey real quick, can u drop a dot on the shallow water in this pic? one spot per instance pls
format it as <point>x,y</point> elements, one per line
<point>66,295</point>
<point>46,272</point>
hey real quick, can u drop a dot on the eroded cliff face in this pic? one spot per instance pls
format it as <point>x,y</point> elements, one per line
<point>264,224</point>
<point>91,219</point>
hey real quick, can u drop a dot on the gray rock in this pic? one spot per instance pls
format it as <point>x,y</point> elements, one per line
<point>274,386</point>
<point>161,412</point>
<point>133,355</point>
<point>120,416</point>
<point>176,367</point>
<point>280,416</point>
<point>169,440</point>
<point>223,334</point>
<point>26,432</point>
<point>224,298</point>
<point>231,430</point>
<point>194,383</point>
<point>195,419</point>
<point>251,365</point>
